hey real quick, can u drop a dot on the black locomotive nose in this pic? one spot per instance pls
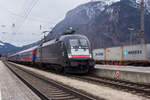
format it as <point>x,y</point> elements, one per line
<point>70,52</point>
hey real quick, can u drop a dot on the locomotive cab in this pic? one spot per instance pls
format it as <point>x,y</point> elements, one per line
<point>79,48</point>
<point>79,53</point>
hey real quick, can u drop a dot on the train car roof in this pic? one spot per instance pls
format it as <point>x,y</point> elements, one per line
<point>29,49</point>
<point>63,37</point>
<point>49,42</point>
<point>72,35</point>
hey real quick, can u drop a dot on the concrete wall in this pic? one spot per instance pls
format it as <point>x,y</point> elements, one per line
<point>130,76</point>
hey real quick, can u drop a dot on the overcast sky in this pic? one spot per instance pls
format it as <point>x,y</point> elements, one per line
<point>27,27</point>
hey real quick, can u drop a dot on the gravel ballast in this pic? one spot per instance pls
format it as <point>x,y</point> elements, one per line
<point>96,90</point>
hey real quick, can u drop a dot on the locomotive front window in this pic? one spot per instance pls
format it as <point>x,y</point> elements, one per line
<point>74,42</point>
<point>78,48</point>
<point>83,43</point>
<point>78,42</point>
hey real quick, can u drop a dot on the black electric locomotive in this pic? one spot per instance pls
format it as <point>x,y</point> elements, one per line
<point>69,53</point>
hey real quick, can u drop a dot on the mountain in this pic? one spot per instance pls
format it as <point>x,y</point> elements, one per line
<point>7,48</point>
<point>107,24</point>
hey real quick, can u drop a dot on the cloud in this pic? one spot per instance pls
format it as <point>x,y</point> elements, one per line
<point>46,13</point>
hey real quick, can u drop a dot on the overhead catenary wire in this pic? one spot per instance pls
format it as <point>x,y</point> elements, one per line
<point>32,18</point>
<point>21,17</point>
<point>26,12</point>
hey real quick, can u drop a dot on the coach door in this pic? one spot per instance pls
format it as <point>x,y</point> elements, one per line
<point>39,54</point>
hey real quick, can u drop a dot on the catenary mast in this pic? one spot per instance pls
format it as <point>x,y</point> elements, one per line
<point>142,22</point>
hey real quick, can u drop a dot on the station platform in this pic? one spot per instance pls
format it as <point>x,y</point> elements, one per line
<point>126,73</point>
<point>11,88</point>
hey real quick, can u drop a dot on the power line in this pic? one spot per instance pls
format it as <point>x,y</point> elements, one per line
<point>39,19</point>
<point>26,11</point>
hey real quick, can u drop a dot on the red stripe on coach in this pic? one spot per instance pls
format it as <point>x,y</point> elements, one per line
<point>80,56</point>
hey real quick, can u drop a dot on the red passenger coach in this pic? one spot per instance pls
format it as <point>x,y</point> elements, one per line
<point>28,55</point>
<point>26,59</point>
<point>80,56</point>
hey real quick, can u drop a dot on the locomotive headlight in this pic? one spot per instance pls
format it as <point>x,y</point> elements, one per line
<point>69,56</point>
<point>90,56</point>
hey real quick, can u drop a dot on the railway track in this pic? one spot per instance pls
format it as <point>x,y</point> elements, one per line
<point>134,88</point>
<point>46,88</point>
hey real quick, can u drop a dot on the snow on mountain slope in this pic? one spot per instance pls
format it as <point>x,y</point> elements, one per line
<point>92,9</point>
<point>6,47</point>
<point>147,3</point>
<point>135,3</point>
<point>1,43</point>
<point>108,2</point>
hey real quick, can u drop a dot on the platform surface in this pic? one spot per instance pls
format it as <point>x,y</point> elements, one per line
<point>11,88</point>
<point>124,68</point>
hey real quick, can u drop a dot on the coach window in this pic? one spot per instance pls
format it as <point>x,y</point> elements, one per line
<point>136,52</point>
<point>140,51</point>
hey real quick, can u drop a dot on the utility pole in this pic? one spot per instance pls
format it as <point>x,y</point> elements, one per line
<point>142,22</point>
